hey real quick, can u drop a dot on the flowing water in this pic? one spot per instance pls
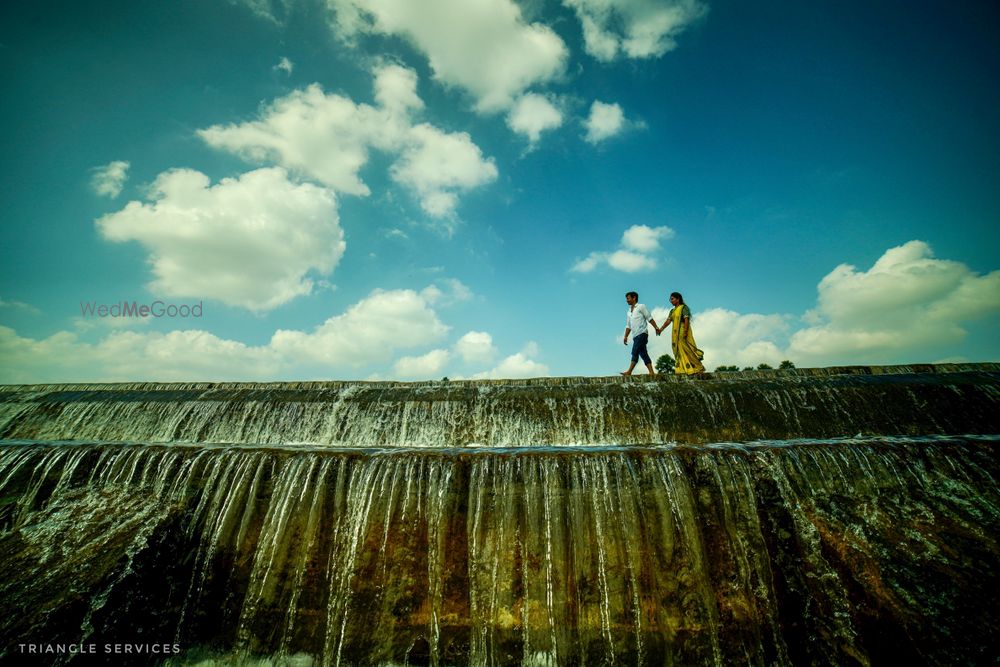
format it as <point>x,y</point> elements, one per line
<point>499,524</point>
<point>816,403</point>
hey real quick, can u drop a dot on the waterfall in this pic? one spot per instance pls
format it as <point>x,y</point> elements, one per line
<point>555,411</point>
<point>229,546</point>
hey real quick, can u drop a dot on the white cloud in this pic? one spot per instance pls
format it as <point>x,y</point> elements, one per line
<point>908,306</point>
<point>107,181</point>
<point>284,65</point>
<point>127,355</point>
<point>604,122</point>
<point>908,300</point>
<point>476,347</point>
<point>370,331</point>
<point>396,89</point>
<point>645,239</point>
<point>458,291</point>
<point>81,324</point>
<point>633,28</point>
<point>424,367</point>
<point>729,338</point>
<point>367,332</point>
<point>590,262</point>
<point>473,348</point>
<point>19,305</point>
<point>328,138</point>
<point>446,291</point>
<point>247,242</point>
<point>630,262</point>
<point>520,365</point>
<point>274,11</point>
<point>484,47</point>
<point>431,294</point>
<point>637,245</point>
<point>533,114</point>
<point>436,164</point>
<point>325,137</point>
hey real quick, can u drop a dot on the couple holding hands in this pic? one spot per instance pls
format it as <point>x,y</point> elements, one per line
<point>687,356</point>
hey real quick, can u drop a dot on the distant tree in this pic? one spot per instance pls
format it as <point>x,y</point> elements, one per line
<point>748,368</point>
<point>445,379</point>
<point>726,369</point>
<point>786,364</point>
<point>665,364</point>
<point>764,367</point>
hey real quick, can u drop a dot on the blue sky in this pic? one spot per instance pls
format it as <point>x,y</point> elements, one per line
<point>381,189</point>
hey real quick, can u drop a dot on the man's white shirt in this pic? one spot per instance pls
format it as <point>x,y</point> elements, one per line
<point>636,319</point>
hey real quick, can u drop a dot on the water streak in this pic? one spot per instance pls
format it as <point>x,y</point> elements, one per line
<point>805,552</point>
<point>946,399</point>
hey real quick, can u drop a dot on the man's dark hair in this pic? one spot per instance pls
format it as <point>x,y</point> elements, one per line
<point>634,295</point>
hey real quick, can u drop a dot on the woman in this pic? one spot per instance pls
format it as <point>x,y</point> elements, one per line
<point>687,356</point>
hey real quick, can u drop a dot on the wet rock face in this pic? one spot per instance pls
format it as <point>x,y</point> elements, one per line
<point>740,407</point>
<point>861,551</point>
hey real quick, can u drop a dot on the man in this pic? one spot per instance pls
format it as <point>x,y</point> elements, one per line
<point>635,323</point>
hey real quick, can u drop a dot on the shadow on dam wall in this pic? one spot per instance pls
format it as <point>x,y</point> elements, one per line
<point>561,521</point>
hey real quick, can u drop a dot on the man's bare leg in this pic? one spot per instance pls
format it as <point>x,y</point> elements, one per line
<point>629,371</point>
<point>650,367</point>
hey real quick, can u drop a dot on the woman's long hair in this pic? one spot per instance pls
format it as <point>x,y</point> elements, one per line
<point>679,297</point>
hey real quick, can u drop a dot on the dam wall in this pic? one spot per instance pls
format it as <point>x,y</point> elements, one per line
<point>825,553</point>
<point>741,407</point>
<point>845,516</point>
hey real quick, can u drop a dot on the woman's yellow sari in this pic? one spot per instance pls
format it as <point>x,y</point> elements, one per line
<point>686,354</point>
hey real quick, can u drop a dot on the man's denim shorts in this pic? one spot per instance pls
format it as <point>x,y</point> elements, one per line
<point>639,348</point>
